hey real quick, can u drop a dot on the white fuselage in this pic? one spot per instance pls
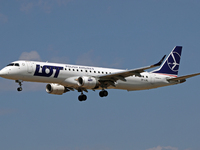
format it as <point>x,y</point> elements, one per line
<point>66,75</point>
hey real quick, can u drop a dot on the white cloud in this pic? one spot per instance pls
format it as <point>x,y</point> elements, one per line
<point>170,148</point>
<point>3,18</point>
<point>33,55</point>
<point>163,148</point>
<point>45,5</point>
<point>88,58</point>
<point>62,2</point>
<point>26,7</point>
<point>54,55</point>
<point>117,63</point>
<point>59,59</point>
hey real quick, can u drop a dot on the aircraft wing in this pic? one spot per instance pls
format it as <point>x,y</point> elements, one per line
<point>184,77</point>
<point>123,74</point>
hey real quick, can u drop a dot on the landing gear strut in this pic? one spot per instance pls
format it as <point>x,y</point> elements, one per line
<point>20,85</point>
<point>103,93</point>
<point>82,97</point>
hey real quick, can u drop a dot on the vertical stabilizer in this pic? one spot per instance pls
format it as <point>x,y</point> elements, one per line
<point>171,64</point>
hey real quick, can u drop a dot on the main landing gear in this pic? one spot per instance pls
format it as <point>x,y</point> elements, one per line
<point>103,93</point>
<point>20,85</point>
<point>83,97</point>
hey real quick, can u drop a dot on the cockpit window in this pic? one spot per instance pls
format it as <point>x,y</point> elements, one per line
<point>10,64</point>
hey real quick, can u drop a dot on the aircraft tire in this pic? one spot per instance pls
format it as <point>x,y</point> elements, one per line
<point>82,97</point>
<point>19,89</point>
<point>103,93</point>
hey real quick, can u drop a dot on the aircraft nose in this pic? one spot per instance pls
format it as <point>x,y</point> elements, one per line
<point>3,72</point>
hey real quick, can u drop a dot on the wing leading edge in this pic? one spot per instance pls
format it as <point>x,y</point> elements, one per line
<point>123,74</point>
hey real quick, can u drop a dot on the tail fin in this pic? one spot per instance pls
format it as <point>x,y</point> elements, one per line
<point>171,64</point>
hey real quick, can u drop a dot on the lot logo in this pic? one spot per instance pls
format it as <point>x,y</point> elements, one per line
<point>173,61</point>
<point>47,71</point>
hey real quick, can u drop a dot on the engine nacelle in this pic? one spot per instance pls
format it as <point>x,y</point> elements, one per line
<point>55,89</point>
<point>88,82</point>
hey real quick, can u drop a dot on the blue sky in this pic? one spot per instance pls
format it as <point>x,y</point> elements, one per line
<point>120,34</point>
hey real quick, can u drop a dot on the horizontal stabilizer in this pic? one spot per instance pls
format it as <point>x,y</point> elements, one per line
<point>184,77</point>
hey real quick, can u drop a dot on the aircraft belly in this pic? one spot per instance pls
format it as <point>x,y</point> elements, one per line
<point>134,83</point>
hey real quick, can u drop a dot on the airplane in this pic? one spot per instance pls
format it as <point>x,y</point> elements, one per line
<point>62,78</point>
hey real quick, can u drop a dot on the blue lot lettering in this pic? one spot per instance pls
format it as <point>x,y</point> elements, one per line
<point>47,71</point>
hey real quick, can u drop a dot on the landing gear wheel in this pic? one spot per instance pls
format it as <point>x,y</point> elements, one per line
<point>19,89</point>
<point>82,97</point>
<point>20,85</point>
<point>103,93</point>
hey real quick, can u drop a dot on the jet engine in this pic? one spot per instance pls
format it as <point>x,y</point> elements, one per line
<point>88,82</point>
<point>56,89</point>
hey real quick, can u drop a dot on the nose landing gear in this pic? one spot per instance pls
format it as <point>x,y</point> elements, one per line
<point>19,89</point>
<point>20,85</point>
